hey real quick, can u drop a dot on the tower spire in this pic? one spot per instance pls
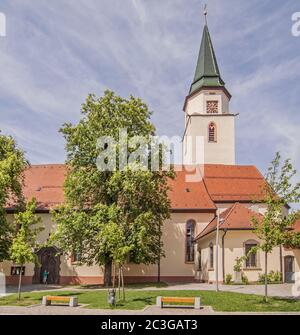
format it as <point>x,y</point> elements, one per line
<point>207,71</point>
<point>205,12</point>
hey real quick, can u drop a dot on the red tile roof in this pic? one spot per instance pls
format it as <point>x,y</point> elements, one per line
<point>220,183</point>
<point>237,216</point>
<point>229,183</point>
<point>296,226</point>
<point>189,195</point>
<point>45,183</point>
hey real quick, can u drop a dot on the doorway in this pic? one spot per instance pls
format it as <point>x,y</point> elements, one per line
<point>49,260</point>
<point>289,269</point>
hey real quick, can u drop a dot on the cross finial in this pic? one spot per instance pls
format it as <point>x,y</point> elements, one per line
<point>205,13</point>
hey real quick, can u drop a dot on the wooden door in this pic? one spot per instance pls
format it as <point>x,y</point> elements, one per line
<point>289,272</point>
<point>49,259</point>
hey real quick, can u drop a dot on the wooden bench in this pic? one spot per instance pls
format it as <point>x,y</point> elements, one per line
<point>71,301</point>
<point>160,301</point>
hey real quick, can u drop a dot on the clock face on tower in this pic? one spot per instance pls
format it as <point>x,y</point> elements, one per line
<point>212,107</point>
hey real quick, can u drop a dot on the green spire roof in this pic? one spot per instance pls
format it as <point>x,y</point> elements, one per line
<point>207,71</point>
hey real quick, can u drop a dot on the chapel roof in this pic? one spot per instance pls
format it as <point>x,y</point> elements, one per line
<point>217,183</point>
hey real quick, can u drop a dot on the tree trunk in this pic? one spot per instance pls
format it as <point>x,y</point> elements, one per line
<point>158,259</point>
<point>119,283</point>
<point>158,270</point>
<point>281,265</point>
<point>107,273</point>
<point>123,288</point>
<point>20,283</point>
<point>266,276</point>
<point>114,275</point>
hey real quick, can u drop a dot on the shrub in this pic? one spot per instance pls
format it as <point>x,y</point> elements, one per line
<point>228,279</point>
<point>261,277</point>
<point>245,280</point>
<point>273,277</point>
<point>238,264</point>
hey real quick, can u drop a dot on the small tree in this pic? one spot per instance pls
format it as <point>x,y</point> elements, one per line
<point>12,165</point>
<point>24,243</point>
<point>112,239</point>
<point>275,227</point>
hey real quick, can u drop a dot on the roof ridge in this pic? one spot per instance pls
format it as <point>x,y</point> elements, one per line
<point>248,178</point>
<point>206,189</point>
<point>230,211</point>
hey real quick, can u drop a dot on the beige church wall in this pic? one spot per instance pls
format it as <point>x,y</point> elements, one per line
<point>197,103</point>
<point>208,274</point>
<point>173,266</point>
<point>220,152</point>
<point>5,267</point>
<point>295,253</point>
<point>234,247</point>
<point>69,272</point>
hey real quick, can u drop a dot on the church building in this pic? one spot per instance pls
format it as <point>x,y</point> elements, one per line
<point>226,196</point>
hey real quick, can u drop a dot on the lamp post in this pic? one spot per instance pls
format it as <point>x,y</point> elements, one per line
<point>219,221</point>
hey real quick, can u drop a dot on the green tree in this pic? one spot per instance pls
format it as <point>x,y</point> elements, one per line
<point>12,164</point>
<point>275,227</point>
<point>137,199</point>
<point>24,244</point>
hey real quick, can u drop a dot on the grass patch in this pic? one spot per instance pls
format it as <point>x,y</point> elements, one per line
<point>220,301</point>
<point>128,286</point>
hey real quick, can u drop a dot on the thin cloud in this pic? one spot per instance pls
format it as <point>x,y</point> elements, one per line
<point>55,53</point>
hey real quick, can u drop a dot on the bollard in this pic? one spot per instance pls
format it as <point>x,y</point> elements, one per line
<point>197,303</point>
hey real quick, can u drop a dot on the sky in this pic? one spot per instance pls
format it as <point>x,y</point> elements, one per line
<point>57,52</point>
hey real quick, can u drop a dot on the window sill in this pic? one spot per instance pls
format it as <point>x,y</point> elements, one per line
<point>252,269</point>
<point>211,269</point>
<point>189,262</point>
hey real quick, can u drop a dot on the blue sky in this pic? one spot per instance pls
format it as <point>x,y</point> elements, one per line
<point>58,51</point>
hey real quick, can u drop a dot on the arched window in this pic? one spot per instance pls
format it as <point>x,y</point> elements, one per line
<point>211,255</point>
<point>252,259</point>
<point>212,132</point>
<point>189,248</point>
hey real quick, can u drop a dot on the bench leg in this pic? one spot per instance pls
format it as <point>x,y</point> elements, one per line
<point>197,303</point>
<point>73,302</point>
<point>46,302</point>
<point>159,302</point>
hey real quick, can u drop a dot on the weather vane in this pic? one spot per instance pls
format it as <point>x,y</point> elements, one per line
<point>205,13</point>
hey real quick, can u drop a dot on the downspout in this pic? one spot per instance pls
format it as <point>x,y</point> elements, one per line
<point>223,254</point>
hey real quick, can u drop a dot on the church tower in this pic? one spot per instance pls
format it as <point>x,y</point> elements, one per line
<point>207,112</point>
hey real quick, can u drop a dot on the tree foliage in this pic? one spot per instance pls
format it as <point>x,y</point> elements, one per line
<point>110,215</point>
<point>12,164</point>
<point>275,228</point>
<point>24,243</point>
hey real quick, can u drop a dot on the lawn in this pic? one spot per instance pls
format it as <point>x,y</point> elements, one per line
<point>221,301</point>
<point>128,286</point>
